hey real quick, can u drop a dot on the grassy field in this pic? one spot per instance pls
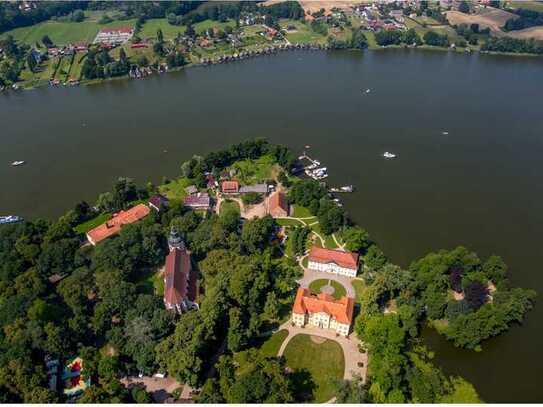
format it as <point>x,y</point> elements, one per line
<point>62,33</point>
<point>324,362</point>
<point>288,222</point>
<point>175,190</point>
<point>272,345</point>
<point>151,27</point>
<point>227,205</point>
<point>329,242</point>
<point>150,282</point>
<point>253,171</point>
<point>339,290</point>
<point>303,33</point>
<point>92,223</point>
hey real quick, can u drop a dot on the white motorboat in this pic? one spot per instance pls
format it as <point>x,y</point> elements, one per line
<point>389,155</point>
<point>368,90</point>
<point>445,133</point>
<point>10,219</point>
<point>17,163</point>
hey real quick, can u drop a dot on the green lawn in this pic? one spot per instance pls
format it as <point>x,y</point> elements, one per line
<point>272,345</point>
<point>301,212</point>
<point>92,223</point>
<point>529,5</point>
<point>339,290</point>
<point>253,171</point>
<point>62,33</point>
<point>305,261</point>
<point>228,204</point>
<point>359,288</point>
<point>288,222</point>
<point>324,362</point>
<point>303,33</point>
<point>329,242</point>
<point>175,189</point>
<point>152,25</point>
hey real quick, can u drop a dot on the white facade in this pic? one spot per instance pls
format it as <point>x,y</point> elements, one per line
<point>332,268</point>
<point>321,320</point>
<point>113,36</point>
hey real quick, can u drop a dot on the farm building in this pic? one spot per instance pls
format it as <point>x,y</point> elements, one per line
<point>114,35</point>
<point>113,226</point>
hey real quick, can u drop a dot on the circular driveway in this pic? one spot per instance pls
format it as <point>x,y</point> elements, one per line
<point>311,275</point>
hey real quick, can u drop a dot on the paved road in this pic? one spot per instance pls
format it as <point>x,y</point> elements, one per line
<point>349,345</point>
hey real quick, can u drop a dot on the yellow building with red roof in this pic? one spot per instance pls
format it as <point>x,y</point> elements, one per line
<point>323,311</point>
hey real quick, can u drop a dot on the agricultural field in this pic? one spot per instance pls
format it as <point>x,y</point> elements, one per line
<point>492,18</point>
<point>151,27</point>
<point>62,33</point>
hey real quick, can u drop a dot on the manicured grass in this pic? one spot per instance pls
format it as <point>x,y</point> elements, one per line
<point>339,290</point>
<point>324,362</point>
<point>301,212</point>
<point>305,261</point>
<point>359,288</point>
<point>175,189</point>
<point>228,205</point>
<point>62,33</point>
<point>253,171</point>
<point>272,345</point>
<point>92,223</point>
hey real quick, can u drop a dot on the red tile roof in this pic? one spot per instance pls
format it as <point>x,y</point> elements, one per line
<point>200,199</point>
<point>343,259</point>
<point>341,310</point>
<point>113,226</point>
<point>158,201</point>
<point>179,278</point>
<point>230,186</point>
<point>278,204</point>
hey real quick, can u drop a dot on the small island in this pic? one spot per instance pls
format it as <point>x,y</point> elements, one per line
<point>238,281</point>
<point>73,43</point>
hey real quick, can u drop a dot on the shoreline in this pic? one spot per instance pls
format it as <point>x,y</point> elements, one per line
<point>269,51</point>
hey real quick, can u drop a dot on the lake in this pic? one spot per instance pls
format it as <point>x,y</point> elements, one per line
<point>479,185</point>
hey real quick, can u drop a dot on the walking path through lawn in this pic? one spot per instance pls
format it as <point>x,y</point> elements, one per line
<point>311,275</point>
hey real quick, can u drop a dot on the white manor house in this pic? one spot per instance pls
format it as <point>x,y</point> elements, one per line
<point>333,261</point>
<point>323,311</point>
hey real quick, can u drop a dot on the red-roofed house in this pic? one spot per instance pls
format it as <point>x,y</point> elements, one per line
<point>113,226</point>
<point>200,200</point>
<point>278,205</point>
<point>157,202</point>
<point>323,311</point>
<point>230,187</point>
<point>180,281</point>
<point>333,261</point>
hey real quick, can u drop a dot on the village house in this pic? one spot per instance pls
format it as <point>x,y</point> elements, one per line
<point>323,311</point>
<point>333,261</point>
<point>191,190</point>
<point>158,202</point>
<point>397,15</point>
<point>114,35</point>
<point>113,226</point>
<point>180,280</point>
<point>230,187</point>
<point>278,206</point>
<point>200,200</point>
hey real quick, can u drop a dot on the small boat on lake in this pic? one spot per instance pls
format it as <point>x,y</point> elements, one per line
<point>17,163</point>
<point>368,90</point>
<point>445,133</point>
<point>10,219</point>
<point>386,154</point>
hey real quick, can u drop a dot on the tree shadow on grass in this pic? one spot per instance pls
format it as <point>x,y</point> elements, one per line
<point>303,384</point>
